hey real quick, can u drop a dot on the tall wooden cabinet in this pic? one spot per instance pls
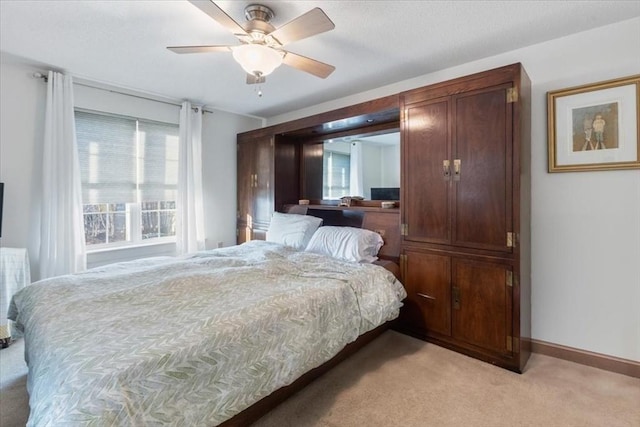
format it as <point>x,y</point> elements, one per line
<point>465,214</point>
<point>267,178</point>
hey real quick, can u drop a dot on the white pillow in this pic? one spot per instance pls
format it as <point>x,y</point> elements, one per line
<point>292,229</point>
<point>346,243</point>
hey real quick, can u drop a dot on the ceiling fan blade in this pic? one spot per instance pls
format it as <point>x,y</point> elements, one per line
<point>254,80</point>
<point>313,22</point>
<point>311,66</point>
<point>212,9</point>
<point>199,49</point>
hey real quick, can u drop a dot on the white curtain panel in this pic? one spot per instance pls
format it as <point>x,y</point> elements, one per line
<point>190,211</point>
<point>355,168</point>
<point>62,249</point>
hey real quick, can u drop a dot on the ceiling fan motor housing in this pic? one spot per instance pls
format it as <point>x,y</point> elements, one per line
<point>258,11</point>
<point>258,19</point>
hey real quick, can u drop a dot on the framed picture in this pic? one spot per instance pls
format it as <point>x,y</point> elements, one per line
<point>595,126</point>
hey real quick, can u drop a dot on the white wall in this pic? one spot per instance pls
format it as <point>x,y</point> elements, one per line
<point>21,123</point>
<point>380,166</point>
<point>585,225</point>
<point>21,128</point>
<point>390,165</point>
<point>219,150</point>
<point>371,172</point>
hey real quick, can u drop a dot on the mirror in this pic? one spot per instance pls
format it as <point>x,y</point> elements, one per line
<point>366,166</point>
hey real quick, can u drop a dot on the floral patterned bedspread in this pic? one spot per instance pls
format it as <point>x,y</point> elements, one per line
<point>190,341</point>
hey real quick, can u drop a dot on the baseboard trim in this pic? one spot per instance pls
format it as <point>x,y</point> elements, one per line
<point>596,360</point>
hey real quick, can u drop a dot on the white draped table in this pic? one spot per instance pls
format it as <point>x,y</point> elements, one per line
<point>14,275</point>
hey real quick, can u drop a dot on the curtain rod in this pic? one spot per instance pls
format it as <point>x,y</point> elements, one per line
<point>195,109</point>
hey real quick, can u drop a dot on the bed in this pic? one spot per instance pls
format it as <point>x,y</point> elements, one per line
<point>193,340</point>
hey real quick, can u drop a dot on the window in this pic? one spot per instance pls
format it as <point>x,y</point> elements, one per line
<point>129,171</point>
<point>337,174</point>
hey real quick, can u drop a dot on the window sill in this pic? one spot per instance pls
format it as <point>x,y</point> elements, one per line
<point>154,242</point>
<point>103,256</point>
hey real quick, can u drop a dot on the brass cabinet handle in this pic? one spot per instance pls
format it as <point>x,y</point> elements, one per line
<point>456,169</point>
<point>446,169</point>
<point>426,296</point>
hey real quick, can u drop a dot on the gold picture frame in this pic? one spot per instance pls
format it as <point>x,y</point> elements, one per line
<point>595,127</point>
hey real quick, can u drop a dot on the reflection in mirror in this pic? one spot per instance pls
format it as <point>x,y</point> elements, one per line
<point>352,166</point>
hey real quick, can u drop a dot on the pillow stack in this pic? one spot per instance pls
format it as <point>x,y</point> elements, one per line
<point>344,243</point>
<point>292,229</point>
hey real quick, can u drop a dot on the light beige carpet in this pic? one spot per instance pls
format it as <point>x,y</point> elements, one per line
<point>400,381</point>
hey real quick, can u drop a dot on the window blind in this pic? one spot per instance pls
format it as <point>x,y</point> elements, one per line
<point>157,161</point>
<point>107,155</point>
<point>124,160</point>
<point>336,169</point>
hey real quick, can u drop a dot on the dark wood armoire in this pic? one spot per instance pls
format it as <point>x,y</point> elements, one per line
<point>465,214</point>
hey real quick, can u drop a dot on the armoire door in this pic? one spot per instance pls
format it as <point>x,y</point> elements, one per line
<point>482,207</point>
<point>427,280</point>
<point>482,304</point>
<point>255,197</point>
<point>262,191</point>
<point>245,179</point>
<point>426,189</point>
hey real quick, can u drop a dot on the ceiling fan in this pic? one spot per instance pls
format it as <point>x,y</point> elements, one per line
<point>262,50</point>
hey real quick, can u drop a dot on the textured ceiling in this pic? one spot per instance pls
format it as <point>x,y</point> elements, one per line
<point>375,43</point>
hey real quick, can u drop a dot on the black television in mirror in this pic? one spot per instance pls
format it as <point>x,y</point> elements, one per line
<point>385,193</point>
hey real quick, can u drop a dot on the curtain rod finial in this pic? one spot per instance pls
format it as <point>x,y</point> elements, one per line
<point>39,75</point>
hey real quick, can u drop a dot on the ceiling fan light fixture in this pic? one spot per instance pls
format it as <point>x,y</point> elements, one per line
<point>257,59</point>
<point>263,50</point>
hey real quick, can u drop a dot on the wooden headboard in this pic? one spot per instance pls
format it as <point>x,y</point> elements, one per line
<point>385,222</point>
